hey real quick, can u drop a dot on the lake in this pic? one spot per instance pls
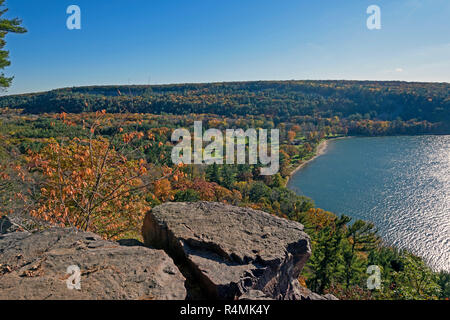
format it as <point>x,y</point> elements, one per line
<point>401,183</point>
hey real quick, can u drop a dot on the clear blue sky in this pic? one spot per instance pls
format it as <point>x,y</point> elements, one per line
<point>168,41</point>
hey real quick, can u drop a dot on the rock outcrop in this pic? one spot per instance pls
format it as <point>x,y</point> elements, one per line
<point>200,250</point>
<point>34,266</point>
<point>232,252</point>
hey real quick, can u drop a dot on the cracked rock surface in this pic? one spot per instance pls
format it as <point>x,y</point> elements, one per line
<point>231,252</point>
<point>34,266</point>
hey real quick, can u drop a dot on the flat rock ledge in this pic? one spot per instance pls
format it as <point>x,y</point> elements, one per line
<point>232,252</point>
<point>33,266</point>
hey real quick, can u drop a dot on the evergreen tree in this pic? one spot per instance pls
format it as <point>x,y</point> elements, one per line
<point>228,176</point>
<point>259,191</point>
<point>188,195</point>
<point>213,173</point>
<point>362,237</point>
<point>327,258</point>
<point>444,283</point>
<point>277,181</point>
<point>244,172</point>
<point>7,26</point>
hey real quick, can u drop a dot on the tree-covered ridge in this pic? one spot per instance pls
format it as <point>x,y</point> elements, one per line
<point>281,100</point>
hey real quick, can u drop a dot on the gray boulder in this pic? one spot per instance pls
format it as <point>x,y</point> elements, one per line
<point>231,252</point>
<point>297,292</point>
<point>34,266</point>
<point>254,295</point>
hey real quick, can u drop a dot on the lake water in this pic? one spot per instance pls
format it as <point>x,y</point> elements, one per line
<point>402,184</point>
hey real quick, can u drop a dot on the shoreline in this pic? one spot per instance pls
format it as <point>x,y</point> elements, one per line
<point>320,150</point>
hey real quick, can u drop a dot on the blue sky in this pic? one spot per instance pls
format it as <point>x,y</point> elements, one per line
<point>178,41</point>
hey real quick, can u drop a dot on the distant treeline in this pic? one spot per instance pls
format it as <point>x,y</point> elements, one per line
<point>279,100</point>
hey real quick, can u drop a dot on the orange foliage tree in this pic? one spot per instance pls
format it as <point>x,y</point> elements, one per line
<point>319,218</point>
<point>209,191</point>
<point>291,135</point>
<point>91,185</point>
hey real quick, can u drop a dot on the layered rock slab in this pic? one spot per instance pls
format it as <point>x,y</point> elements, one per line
<point>229,250</point>
<point>34,266</point>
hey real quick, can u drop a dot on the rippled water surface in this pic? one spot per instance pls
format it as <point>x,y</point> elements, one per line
<point>402,184</point>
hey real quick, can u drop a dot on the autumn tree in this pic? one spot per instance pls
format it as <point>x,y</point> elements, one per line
<point>291,136</point>
<point>91,185</point>
<point>162,190</point>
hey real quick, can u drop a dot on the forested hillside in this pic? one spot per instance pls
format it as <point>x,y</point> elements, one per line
<point>102,171</point>
<point>280,100</point>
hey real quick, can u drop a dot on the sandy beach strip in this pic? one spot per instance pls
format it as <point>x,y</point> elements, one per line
<point>321,149</point>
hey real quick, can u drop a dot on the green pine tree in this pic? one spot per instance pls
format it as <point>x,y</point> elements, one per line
<point>213,173</point>
<point>7,26</point>
<point>228,176</point>
<point>361,237</point>
<point>327,257</point>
